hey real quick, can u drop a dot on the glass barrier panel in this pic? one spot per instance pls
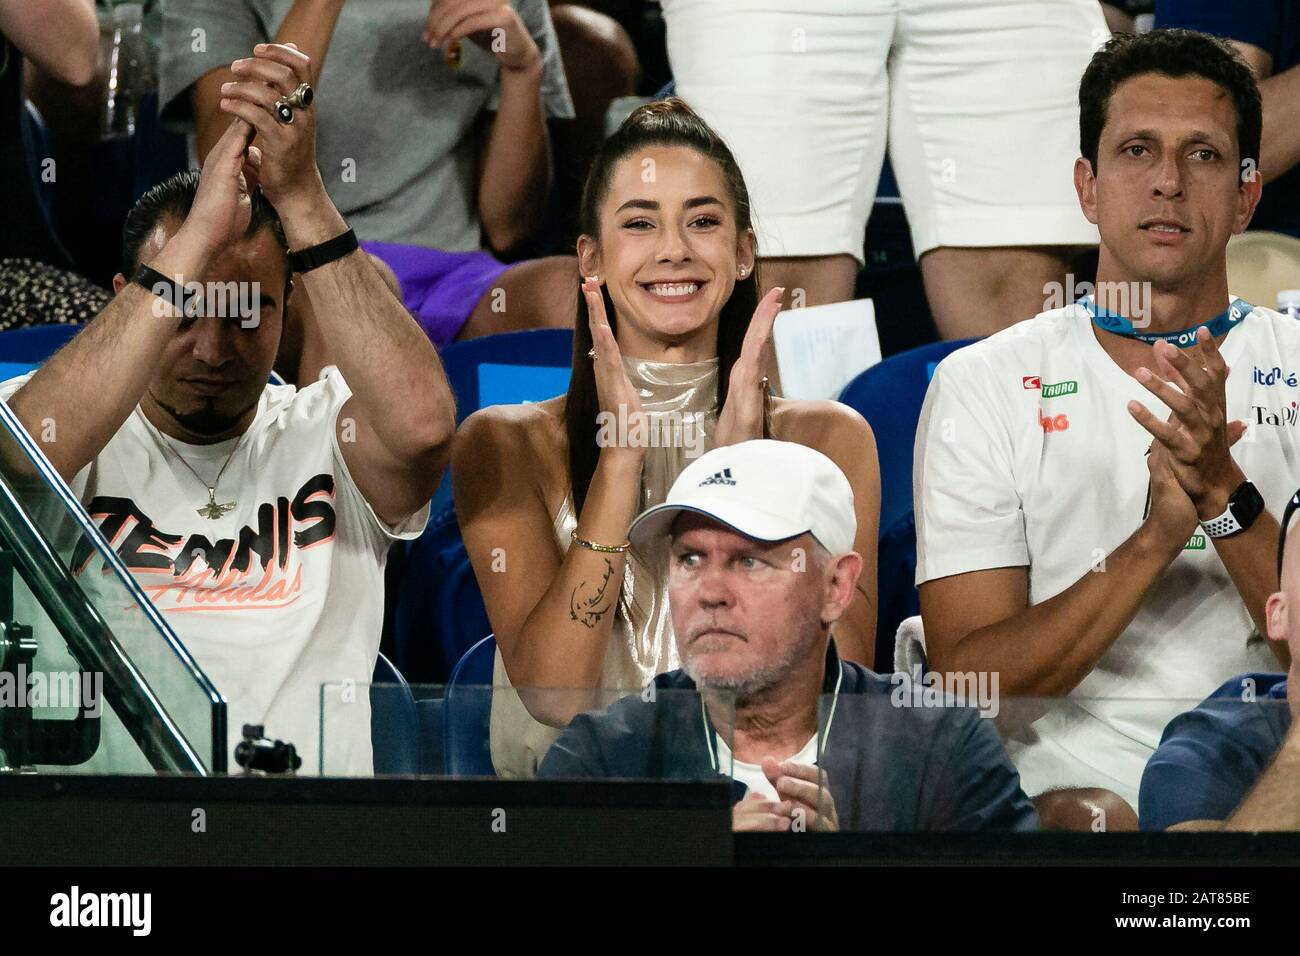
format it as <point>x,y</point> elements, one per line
<point>892,755</point>
<point>910,757</point>
<point>89,616</point>
<point>514,733</point>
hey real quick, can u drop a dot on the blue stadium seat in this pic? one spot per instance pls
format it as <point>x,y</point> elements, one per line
<point>896,594</point>
<point>24,349</point>
<point>431,712</point>
<point>439,611</point>
<point>512,367</point>
<point>889,396</point>
<point>467,713</point>
<point>394,724</point>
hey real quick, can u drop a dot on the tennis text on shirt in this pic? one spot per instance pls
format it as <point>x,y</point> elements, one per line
<point>221,574</point>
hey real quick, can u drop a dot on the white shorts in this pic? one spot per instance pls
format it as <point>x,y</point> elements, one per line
<point>979,99</point>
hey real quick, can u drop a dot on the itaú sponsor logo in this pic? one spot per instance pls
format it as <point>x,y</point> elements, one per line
<point>1280,418</point>
<point>1274,376</point>
<point>1053,423</point>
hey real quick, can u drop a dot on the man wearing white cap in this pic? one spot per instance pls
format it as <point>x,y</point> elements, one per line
<point>761,568</point>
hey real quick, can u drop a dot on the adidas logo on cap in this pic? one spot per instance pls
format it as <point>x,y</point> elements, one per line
<point>719,478</point>
<point>762,489</point>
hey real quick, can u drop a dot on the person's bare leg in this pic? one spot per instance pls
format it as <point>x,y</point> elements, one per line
<point>534,294</point>
<point>976,292</point>
<point>807,280</point>
<point>810,280</point>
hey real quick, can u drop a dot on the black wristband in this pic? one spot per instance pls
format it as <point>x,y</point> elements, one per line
<point>188,302</point>
<point>314,257</point>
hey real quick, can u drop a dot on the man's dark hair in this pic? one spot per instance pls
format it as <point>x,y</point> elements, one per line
<point>174,197</point>
<point>1173,53</point>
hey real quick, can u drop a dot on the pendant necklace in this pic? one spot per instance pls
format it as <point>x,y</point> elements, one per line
<point>213,509</point>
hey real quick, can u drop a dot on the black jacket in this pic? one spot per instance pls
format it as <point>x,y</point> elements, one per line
<point>889,767</point>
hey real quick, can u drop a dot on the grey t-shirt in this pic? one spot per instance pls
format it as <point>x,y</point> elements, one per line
<point>395,141</point>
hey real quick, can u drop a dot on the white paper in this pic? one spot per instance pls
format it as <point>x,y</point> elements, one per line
<point>821,349</point>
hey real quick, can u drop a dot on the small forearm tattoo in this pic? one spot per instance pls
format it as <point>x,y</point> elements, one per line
<point>588,611</point>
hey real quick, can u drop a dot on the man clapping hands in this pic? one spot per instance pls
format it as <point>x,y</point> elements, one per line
<point>263,512</point>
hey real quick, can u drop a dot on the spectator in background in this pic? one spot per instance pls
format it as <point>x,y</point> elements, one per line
<point>1267,34</point>
<point>601,63</point>
<point>976,101</point>
<point>59,38</point>
<point>1233,763</point>
<point>1122,15</point>
<point>761,567</point>
<point>257,517</point>
<point>434,140</point>
<point>670,326</point>
<point>1083,528</point>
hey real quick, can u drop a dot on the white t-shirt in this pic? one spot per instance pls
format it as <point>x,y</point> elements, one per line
<point>278,596</point>
<point>1026,455</point>
<point>751,774</point>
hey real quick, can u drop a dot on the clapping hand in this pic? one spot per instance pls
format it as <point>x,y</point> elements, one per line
<point>222,206</point>
<point>805,801</point>
<point>741,417</point>
<point>614,390</point>
<point>285,158</point>
<point>1197,435</point>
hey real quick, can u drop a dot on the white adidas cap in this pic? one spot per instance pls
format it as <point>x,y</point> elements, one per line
<point>764,489</point>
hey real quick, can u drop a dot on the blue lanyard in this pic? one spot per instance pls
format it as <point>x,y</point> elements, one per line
<point>1184,339</point>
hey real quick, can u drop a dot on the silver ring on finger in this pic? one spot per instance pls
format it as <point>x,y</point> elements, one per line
<point>284,112</point>
<point>302,97</point>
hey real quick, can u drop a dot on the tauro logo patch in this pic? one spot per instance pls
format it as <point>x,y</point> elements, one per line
<point>1060,388</point>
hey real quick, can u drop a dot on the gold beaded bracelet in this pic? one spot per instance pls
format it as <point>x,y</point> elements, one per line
<point>593,546</point>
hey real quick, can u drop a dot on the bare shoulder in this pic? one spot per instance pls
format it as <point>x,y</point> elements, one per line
<point>524,443</point>
<point>821,423</point>
<point>521,419</point>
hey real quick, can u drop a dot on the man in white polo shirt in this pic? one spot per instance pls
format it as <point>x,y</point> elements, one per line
<point>1083,528</point>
